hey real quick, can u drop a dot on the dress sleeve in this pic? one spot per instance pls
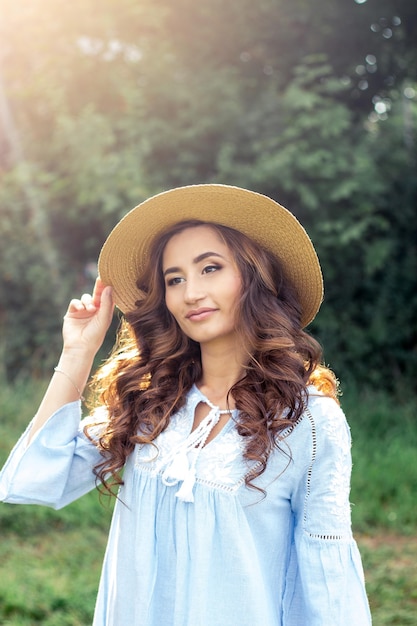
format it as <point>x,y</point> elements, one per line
<point>330,571</point>
<point>56,467</point>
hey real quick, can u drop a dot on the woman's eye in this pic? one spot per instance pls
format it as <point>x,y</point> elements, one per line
<point>211,268</point>
<point>174,281</point>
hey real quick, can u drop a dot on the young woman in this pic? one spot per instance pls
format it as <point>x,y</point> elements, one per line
<point>214,419</point>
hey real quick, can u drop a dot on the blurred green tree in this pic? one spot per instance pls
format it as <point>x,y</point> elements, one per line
<point>311,103</point>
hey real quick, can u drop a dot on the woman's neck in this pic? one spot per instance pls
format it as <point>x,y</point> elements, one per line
<point>221,369</point>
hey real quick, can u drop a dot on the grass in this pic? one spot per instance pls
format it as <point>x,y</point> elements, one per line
<point>390,563</point>
<point>50,560</point>
<point>384,480</point>
<point>50,578</point>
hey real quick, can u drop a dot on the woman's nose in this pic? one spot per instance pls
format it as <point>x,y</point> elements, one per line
<point>193,290</point>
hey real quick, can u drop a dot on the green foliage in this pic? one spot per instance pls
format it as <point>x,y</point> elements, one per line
<point>369,252</point>
<point>391,576</point>
<point>384,480</point>
<point>49,560</point>
<point>56,583</point>
<point>29,287</point>
<point>310,103</point>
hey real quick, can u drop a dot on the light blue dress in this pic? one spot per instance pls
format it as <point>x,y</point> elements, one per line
<point>223,554</point>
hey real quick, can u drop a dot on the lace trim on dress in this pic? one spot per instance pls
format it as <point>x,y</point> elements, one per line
<point>326,537</point>
<point>337,497</point>
<point>219,465</point>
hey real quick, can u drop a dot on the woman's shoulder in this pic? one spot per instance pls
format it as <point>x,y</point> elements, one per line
<point>328,421</point>
<point>322,417</point>
<point>323,407</point>
<point>319,441</point>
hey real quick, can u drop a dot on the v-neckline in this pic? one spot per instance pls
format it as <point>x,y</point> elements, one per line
<point>197,397</point>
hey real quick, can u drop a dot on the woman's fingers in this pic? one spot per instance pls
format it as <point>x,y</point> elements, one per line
<point>99,287</point>
<point>88,303</point>
<point>75,306</point>
<point>103,301</point>
<point>83,305</point>
<point>91,303</point>
<point>106,309</point>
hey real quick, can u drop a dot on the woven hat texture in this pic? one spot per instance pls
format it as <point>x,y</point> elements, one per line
<point>126,249</point>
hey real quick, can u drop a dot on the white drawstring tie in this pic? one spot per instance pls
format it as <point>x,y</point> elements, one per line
<point>181,463</point>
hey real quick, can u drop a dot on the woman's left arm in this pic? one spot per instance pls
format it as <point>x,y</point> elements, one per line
<point>330,567</point>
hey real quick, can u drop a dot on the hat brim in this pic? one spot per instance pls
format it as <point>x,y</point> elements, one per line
<point>126,250</point>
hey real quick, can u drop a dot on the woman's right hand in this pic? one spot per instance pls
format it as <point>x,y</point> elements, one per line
<point>87,320</point>
<point>85,325</point>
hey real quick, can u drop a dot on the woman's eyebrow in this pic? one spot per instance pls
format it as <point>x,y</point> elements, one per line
<point>200,257</point>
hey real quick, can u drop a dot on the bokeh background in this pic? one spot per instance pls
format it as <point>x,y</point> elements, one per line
<point>103,104</point>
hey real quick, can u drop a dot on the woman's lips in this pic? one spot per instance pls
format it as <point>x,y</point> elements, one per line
<point>198,315</point>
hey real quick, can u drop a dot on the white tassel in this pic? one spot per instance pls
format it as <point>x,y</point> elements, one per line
<point>185,492</point>
<point>177,470</point>
<point>179,467</point>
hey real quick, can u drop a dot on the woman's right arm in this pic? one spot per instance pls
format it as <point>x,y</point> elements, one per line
<point>85,325</point>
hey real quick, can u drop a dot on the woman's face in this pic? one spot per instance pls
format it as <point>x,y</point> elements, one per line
<point>202,285</point>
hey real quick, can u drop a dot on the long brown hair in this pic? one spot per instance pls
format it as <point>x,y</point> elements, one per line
<point>147,377</point>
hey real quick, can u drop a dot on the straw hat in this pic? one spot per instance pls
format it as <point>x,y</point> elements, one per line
<point>126,249</point>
